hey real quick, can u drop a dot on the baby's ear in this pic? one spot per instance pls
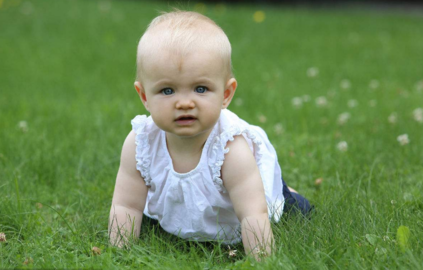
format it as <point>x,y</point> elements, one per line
<point>140,90</point>
<point>229,92</point>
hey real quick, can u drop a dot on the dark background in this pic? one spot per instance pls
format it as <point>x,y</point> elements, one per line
<point>406,3</point>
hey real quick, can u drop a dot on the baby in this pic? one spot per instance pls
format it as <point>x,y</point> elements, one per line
<point>203,173</point>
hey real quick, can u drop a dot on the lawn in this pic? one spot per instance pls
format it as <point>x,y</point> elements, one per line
<point>333,88</point>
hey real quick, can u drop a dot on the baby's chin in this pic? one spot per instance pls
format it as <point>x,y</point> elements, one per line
<point>189,133</point>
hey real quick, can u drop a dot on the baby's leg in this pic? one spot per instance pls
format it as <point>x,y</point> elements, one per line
<point>292,190</point>
<point>294,202</point>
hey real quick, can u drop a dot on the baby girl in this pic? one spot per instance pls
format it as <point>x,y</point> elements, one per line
<point>194,166</point>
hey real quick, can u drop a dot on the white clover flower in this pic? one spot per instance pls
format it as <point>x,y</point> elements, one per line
<point>392,118</point>
<point>345,84</point>
<point>418,115</point>
<point>238,102</point>
<point>321,101</point>
<point>278,128</point>
<point>27,8</point>
<point>23,126</point>
<point>374,84</point>
<point>403,139</point>
<point>2,237</point>
<point>262,118</point>
<point>343,118</point>
<point>232,252</point>
<point>312,72</point>
<point>342,146</point>
<point>261,252</point>
<point>306,98</point>
<point>419,118</point>
<point>96,251</point>
<point>352,103</point>
<point>104,6</point>
<point>419,86</point>
<point>297,102</point>
<point>318,181</point>
<point>373,103</point>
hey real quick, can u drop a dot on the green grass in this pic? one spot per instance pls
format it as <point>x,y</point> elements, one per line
<point>67,69</point>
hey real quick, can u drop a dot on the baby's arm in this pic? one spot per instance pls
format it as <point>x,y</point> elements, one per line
<point>241,178</point>
<point>129,197</point>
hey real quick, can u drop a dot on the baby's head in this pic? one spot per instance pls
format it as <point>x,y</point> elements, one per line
<point>184,70</point>
<point>180,33</point>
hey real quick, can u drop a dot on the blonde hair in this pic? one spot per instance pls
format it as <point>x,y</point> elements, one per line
<point>181,31</point>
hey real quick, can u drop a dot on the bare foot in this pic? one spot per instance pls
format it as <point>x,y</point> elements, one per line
<point>292,190</point>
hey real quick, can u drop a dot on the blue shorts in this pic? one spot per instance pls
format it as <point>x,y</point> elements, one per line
<point>294,202</point>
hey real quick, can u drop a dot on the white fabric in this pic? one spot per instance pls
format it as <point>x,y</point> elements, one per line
<point>195,205</point>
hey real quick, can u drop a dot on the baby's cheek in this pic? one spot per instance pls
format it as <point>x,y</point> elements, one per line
<point>158,119</point>
<point>214,115</point>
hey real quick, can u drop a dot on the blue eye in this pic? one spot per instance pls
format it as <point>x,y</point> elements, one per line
<point>167,91</point>
<point>201,89</point>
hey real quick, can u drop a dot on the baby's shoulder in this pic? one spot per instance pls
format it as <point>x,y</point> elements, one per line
<point>128,151</point>
<point>237,149</point>
<point>239,159</point>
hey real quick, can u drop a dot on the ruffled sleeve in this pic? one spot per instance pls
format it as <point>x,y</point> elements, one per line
<point>142,150</point>
<point>230,129</point>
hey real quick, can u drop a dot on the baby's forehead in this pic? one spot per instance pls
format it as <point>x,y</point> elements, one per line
<point>161,57</point>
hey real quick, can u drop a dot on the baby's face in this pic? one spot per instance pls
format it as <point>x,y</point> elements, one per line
<point>185,95</point>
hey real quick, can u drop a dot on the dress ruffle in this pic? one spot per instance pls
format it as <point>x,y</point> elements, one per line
<point>219,150</point>
<point>142,151</point>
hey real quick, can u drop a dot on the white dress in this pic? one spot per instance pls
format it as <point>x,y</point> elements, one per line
<point>195,205</point>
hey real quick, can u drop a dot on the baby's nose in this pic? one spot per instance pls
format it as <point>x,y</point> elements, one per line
<point>184,103</point>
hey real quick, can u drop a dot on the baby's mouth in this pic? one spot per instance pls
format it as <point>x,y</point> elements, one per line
<point>185,119</point>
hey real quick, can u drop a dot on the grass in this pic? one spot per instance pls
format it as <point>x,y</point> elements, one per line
<point>67,69</point>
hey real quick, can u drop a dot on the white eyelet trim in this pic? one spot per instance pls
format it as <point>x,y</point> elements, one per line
<point>142,149</point>
<point>219,151</point>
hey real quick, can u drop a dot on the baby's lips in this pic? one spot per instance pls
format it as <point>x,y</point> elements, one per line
<point>185,117</point>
